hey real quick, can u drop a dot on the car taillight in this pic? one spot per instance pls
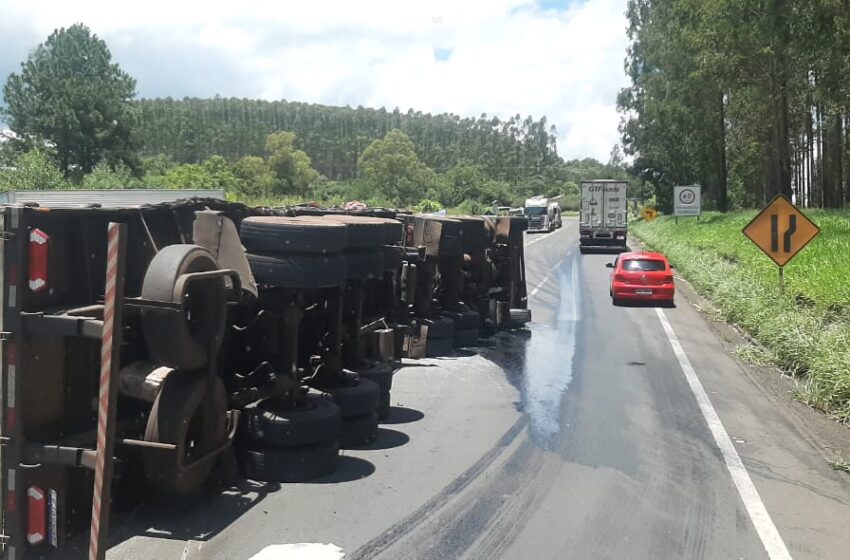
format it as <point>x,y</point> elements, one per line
<point>38,253</point>
<point>37,515</point>
<point>619,278</point>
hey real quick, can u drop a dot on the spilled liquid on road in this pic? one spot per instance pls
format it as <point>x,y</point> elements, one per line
<point>540,362</point>
<point>549,357</point>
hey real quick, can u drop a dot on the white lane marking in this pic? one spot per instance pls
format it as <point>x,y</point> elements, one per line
<point>542,237</point>
<point>300,551</point>
<point>767,531</point>
<point>538,286</point>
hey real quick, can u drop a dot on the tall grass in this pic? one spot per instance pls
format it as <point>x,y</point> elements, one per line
<point>807,330</point>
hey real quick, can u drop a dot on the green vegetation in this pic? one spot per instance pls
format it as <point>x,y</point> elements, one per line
<point>69,91</point>
<point>191,130</point>
<point>749,99</point>
<point>77,125</point>
<point>806,331</point>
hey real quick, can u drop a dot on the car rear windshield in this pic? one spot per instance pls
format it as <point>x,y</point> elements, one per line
<point>644,265</point>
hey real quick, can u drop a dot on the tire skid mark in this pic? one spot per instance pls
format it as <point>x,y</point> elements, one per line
<point>509,523</point>
<point>452,532</point>
<point>389,537</point>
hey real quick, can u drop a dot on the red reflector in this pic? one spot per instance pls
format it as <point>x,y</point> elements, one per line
<point>38,260</point>
<point>11,502</point>
<point>37,515</point>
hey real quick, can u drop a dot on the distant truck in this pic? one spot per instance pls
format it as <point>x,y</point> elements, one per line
<point>603,221</point>
<point>543,213</point>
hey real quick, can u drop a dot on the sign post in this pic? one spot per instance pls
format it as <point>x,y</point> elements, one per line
<point>781,231</point>
<point>649,214</point>
<point>687,201</point>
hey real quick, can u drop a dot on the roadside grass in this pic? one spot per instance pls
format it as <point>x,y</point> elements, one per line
<point>807,331</point>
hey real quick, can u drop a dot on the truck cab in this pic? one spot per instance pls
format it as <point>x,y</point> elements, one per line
<point>544,214</point>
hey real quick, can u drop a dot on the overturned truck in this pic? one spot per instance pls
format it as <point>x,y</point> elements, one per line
<point>140,343</point>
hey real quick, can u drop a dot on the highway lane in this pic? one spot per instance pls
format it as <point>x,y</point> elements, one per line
<point>579,439</point>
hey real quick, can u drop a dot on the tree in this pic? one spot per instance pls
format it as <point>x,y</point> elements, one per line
<point>32,170</point>
<point>214,173</point>
<point>293,167</point>
<point>71,97</point>
<point>254,176</point>
<point>104,176</point>
<point>393,169</point>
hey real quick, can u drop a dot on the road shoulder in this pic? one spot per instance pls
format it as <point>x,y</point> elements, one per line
<point>784,444</point>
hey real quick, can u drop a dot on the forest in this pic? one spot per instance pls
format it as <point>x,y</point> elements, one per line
<point>191,130</point>
<point>749,99</point>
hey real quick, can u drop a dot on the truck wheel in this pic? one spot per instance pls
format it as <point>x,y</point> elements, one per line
<point>393,231</point>
<point>519,317</point>
<point>379,373</point>
<point>301,234</point>
<point>277,423</point>
<point>289,464</point>
<point>464,338</point>
<point>464,319</point>
<point>183,340</point>
<point>439,327</point>
<point>298,271</point>
<point>384,403</point>
<point>436,347</point>
<point>363,265</point>
<point>355,397</point>
<point>189,412</point>
<point>358,430</point>
<point>364,232</point>
<point>393,258</point>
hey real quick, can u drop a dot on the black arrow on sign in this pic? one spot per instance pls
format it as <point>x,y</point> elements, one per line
<point>786,238</point>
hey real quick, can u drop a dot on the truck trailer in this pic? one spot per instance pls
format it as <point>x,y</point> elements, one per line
<point>603,220</point>
<point>143,344</point>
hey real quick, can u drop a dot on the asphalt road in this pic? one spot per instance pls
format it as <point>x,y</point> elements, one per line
<point>605,432</point>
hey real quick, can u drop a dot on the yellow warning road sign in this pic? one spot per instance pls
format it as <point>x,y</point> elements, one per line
<point>649,214</point>
<point>781,230</point>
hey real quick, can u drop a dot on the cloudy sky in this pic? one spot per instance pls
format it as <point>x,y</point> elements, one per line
<point>558,58</point>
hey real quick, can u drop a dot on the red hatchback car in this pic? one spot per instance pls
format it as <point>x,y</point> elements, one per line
<point>642,277</point>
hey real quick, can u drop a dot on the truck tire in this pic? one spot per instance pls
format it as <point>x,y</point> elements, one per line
<point>364,265</point>
<point>379,373</point>
<point>473,234</point>
<point>439,327</point>
<point>301,234</point>
<point>274,423</point>
<point>464,319</point>
<point>183,340</point>
<point>393,258</point>
<point>298,271</point>
<point>464,338</point>
<point>358,430</point>
<point>519,317</point>
<point>354,397</point>
<point>384,405</point>
<point>393,231</point>
<point>189,412</point>
<point>289,464</point>
<point>435,347</point>
<point>364,232</point>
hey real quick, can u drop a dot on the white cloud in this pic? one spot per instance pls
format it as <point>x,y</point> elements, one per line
<point>506,56</point>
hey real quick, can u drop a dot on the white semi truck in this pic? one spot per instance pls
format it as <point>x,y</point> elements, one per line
<point>604,214</point>
<point>543,213</point>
